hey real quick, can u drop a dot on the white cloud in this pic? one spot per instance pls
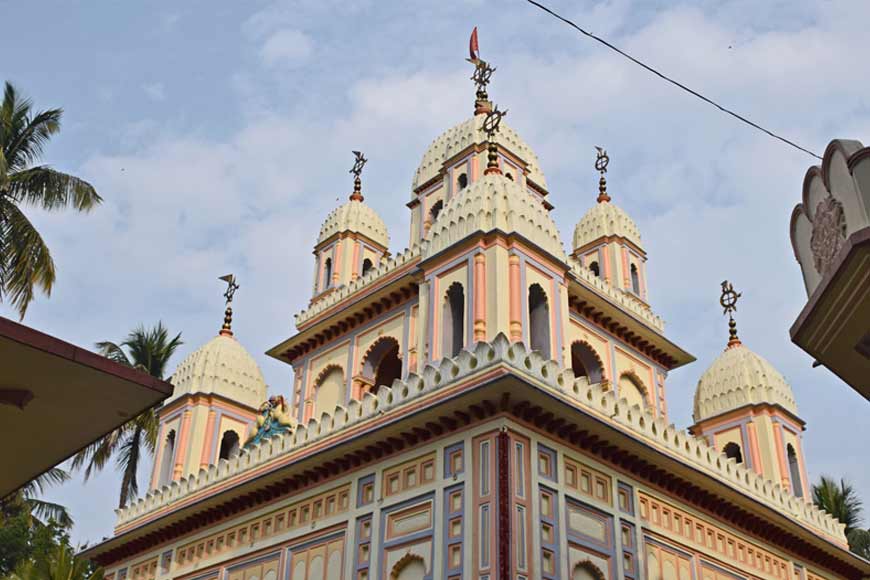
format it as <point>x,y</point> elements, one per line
<point>287,47</point>
<point>155,91</point>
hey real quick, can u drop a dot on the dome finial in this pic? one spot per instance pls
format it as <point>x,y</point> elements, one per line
<point>230,279</point>
<point>728,300</point>
<point>356,170</point>
<point>490,127</point>
<point>482,74</point>
<point>601,162</point>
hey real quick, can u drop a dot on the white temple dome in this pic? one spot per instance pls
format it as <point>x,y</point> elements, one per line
<point>223,367</point>
<point>605,219</point>
<point>494,202</point>
<point>468,133</point>
<point>355,216</point>
<point>739,377</point>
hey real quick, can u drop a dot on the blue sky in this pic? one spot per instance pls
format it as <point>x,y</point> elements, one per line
<point>219,135</point>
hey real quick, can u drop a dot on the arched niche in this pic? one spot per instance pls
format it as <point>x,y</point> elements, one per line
<point>382,363</point>
<point>632,389</point>
<point>453,320</point>
<point>539,320</point>
<point>585,362</point>
<point>229,447</point>
<point>329,389</point>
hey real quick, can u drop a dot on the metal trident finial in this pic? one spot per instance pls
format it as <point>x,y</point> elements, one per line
<point>230,279</point>
<point>601,162</point>
<point>728,300</point>
<point>356,170</point>
<point>490,127</point>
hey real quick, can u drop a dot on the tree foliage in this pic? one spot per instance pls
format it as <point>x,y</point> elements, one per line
<point>25,260</point>
<point>148,350</point>
<point>842,502</point>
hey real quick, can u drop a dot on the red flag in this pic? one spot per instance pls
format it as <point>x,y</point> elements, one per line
<point>473,48</point>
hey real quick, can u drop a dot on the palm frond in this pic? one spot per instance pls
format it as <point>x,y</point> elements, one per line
<point>129,455</point>
<point>38,485</point>
<point>152,348</point>
<point>841,501</point>
<point>113,352</point>
<point>43,511</point>
<point>50,189</point>
<point>29,139</point>
<point>25,260</point>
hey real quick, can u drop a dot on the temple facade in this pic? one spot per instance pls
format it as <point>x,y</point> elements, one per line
<point>485,404</point>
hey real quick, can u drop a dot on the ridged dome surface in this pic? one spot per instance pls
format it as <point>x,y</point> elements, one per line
<point>494,202</point>
<point>221,366</point>
<point>605,219</point>
<point>468,133</point>
<point>355,216</point>
<point>739,377</point>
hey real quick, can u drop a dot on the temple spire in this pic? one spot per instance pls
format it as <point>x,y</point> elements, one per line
<point>601,162</point>
<point>728,300</point>
<point>482,74</point>
<point>490,127</point>
<point>227,328</point>
<point>356,170</point>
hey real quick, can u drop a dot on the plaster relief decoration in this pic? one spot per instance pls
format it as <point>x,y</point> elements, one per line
<point>829,233</point>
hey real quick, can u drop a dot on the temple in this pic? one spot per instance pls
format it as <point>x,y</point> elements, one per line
<point>485,404</point>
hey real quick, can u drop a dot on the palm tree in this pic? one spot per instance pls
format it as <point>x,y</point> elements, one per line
<point>37,512</point>
<point>842,502</point>
<point>61,565</point>
<point>25,260</point>
<point>148,350</point>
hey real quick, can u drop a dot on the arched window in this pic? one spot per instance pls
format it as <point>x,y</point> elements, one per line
<point>539,320</point>
<point>593,267</point>
<point>461,182</point>
<point>436,209</point>
<point>166,460</point>
<point>409,567</point>
<point>229,445</point>
<point>382,364</point>
<point>795,471</point>
<point>453,320</point>
<point>586,570</point>
<point>509,176</point>
<point>732,451</point>
<point>586,363</point>
<point>328,390</point>
<point>327,273</point>
<point>367,265</point>
<point>632,390</point>
<point>635,280</point>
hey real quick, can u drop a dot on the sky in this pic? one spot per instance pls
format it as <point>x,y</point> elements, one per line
<point>220,134</point>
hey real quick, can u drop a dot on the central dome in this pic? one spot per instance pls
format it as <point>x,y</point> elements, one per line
<point>355,216</point>
<point>494,202</point>
<point>223,367</point>
<point>739,377</point>
<point>469,133</point>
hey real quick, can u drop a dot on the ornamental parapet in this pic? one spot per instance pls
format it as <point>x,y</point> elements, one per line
<point>343,292</point>
<point>616,295</point>
<point>531,366</point>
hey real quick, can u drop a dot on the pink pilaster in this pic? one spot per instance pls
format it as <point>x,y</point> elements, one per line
<point>606,253</point>
<point>336,266</point>
<point>354,272</point>
<point>205,456</point>
<point>516,315</point>
<point>181,454</point>
<point>754,449</point>
<point>626,279</point>
<point>158,457</point>
<point>479,297</point>
<point>780,456</point>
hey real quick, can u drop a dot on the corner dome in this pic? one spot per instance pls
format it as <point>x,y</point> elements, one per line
<point>494,202</point>
<point>468,133</point>
<point>223,367</point>
<point>739,377</point>
<point>355,216</point>
<point>605,219</point>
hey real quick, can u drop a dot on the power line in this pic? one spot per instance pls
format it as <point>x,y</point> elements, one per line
<point>670,80</point>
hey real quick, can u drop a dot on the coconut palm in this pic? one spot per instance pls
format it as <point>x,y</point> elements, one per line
<point>148,350</point>
<point>62,564</point>
<point>25,261</point>
<point>38,512</point>
<point>842,502</point>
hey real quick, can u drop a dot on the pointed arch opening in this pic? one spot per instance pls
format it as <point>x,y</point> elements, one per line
<point>327,273</point>
<point>632,389</point>
<point>585,362</point>
<point>382,363</point>
<point>329,389</point>
<point>635,279</point>
<point>461,181</point>
<point>594,268</point>
<point>586,570</point>
<point>732,451</point>
<point>794,471</point>
<point>436,209</point>
<point>453,320</point>
<point>539,320</point>
<point>229,445</point>
<point>167,459</point>
<point>366,266</point>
